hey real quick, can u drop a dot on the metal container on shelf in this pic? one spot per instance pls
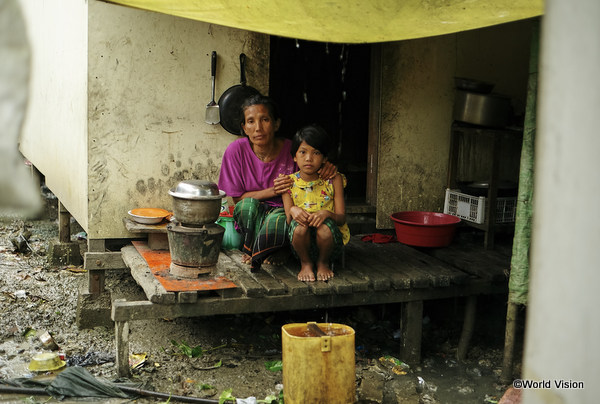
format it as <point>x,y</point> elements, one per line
<point>493,110</point>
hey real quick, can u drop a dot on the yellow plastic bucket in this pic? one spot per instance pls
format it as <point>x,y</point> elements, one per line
<point>318,369</point>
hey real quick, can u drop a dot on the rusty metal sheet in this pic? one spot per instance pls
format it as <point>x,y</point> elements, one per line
<point>159,262</point>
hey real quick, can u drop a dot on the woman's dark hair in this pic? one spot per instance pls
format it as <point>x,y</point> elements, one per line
<point>259,99</point>
<point>313,135</point>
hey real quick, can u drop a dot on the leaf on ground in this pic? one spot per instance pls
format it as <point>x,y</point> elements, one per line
<point>274,366</point>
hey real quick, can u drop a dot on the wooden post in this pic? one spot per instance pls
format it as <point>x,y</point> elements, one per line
<point>95,277</point>
<point>411,327</point>
<point>122,348</point>
<point>512,313</point>
<point>64,224</point>
<point>467,328</point>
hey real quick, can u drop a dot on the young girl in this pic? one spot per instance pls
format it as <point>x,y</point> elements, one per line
<point>315,207</point>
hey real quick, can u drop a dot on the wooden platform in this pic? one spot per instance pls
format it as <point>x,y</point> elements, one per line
<point>372,274</point>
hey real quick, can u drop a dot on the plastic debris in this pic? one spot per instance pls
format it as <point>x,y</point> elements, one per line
<point>136,361</point>
<point>395,365</point>
<point>90,358</point>
<point>420,384</point>
<point>48,342</point>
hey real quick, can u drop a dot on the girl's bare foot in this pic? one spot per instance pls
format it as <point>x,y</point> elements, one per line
<point>246,259</point>
<point>306,273</point>
<point>324,273</point>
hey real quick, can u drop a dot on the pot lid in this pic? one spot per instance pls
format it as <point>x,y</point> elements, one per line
<point>197,190</point>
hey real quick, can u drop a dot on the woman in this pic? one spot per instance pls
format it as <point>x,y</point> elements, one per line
<point>254,173</point>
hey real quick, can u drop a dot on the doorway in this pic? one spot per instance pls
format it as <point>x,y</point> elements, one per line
<point>328,84</point>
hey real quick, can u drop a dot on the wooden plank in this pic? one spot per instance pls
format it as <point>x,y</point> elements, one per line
<point>272,286</point>
<point>316,287</point>
<point>340,285</point>
<point>291,282</point>
<point>453,274</point>
<point>378,267</point>
<point>140,271</point>
<point>421,266</point>
<point>187,297</point>
<point>135,227</point>
<point>103,260</point>
<point>158,241</point>
<point>337,284</point>
<point>359,283</point>
<point>215,305</point>
<point>484,264</point>
<point>241,276</point>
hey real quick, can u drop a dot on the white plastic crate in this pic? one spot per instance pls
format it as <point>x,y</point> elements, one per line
<point>472,208</point>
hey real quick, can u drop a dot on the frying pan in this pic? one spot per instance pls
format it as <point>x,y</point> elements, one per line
<point>230,102</point>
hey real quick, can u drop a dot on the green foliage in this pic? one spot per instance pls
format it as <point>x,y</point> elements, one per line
<point>226,395</point>
<point>185,349</point>
<point>274,366</point>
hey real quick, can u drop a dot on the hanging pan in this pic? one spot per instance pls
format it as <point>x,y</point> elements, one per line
<point>230,102</point>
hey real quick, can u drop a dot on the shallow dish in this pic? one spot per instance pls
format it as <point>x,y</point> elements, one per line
<point>46,362</point>
<point>148,215</point>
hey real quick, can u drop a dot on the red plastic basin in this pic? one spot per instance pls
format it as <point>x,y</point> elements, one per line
<point>424,229</point>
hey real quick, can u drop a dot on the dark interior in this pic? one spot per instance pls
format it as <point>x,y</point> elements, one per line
<point>327,84</point>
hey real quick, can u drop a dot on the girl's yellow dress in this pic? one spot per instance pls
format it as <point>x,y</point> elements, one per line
<point>313,196</point>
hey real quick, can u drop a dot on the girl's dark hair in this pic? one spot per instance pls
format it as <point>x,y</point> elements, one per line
<point>259,99</point>
<point>313,135</point>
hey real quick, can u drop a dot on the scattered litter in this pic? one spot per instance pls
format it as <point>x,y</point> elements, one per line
<point>81,236</point>
<point>21,242</point>
<point>46,362</point>
<point>451,363</point>
<point>20,294</point>
<point>466,390</point>
<point>395,365</point>
<point>48,342</point>
<point>90,358</point>
<point>420,384</point>
<point>74,269</point>
<point>474,372</point>
<point>136,361</point>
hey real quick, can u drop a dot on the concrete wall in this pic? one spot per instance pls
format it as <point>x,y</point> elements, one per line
<point>128,123</point>
<point>417,101</point>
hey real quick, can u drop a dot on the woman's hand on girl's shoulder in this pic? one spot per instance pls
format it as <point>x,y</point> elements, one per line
<point>328,171</point>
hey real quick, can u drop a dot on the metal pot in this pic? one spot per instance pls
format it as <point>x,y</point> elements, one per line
<point>195,246</point>
<point>492,110</point>
<point>196,202</point>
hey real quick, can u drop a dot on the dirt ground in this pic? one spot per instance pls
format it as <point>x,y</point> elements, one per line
<point>232,352</point>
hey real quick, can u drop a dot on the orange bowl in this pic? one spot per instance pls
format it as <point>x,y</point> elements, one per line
<point>148,215</point>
